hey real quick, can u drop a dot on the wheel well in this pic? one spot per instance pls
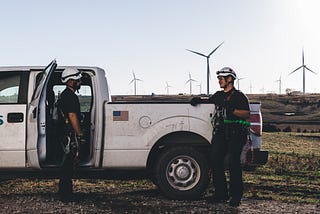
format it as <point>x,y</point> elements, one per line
<point>181,138</point>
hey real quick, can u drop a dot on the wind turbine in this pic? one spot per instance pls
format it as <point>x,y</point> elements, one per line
<point>167,87</point>
<point>134,81</point>
<point>190,80</point>
<point>200,87</point>
<point>279,80</point>
<point>250,88</point>
<point>208,67</point>
<point>238,82</point>
<point>304,67</point>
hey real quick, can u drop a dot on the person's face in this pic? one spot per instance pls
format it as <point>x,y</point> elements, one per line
<point>75,84</point>
<point>78,83</point>
<point>222,81</point>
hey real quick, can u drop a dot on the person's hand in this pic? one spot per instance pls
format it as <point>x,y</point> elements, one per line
<point>195,101</point>
<point>80,139</point>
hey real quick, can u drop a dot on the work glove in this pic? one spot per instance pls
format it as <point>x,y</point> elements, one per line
<point>195,101</point>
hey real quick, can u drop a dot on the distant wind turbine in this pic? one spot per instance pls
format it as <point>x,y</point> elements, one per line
<point>279,80</point>
<point>167,87</point>
<point>200,87</point>
<point>190,80</point>
<point>303,66</point>
<point>208,67</point>
<point>134,81</point>
<point>250,88</point>
<point>238,82</point>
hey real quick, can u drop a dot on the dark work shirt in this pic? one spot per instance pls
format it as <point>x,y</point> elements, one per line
<point>230,100</point>
<point>70,102</point>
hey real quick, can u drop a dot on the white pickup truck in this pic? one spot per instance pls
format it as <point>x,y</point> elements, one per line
<point>165,140</point>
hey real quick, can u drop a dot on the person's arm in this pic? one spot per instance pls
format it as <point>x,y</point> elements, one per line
<point>243,114</point>
<point>75,123</point>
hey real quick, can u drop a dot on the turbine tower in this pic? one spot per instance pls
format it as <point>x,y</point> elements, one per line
<point>304,67</point>
<point>134,81</point>
<point>167,87</point>
<point>250,88</point>
<point>208,67</point>
<point>279,80</point>
<point>190,80</point>
<point>238,82</point>
<point>200,87</point>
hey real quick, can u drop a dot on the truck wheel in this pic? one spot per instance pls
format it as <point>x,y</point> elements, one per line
<point>182,173</point>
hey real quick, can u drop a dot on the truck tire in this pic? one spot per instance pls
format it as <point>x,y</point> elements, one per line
<point>182,173</point>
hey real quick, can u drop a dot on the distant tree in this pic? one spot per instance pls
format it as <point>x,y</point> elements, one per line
<point>270,128</point>
<point>289,91</point>
<point>298,130</point>
<point>305,131</point>
<point>287,129</point>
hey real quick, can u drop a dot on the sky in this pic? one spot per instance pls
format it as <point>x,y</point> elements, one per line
<point>263,41</point>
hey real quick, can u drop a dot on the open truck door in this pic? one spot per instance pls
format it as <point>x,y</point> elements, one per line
<point>36,140</point>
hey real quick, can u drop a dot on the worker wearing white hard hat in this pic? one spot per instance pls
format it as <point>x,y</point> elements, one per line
<point>229,136</point>
<point>70,108</point>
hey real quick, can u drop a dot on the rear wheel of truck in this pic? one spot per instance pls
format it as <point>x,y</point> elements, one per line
<point>182,173</point>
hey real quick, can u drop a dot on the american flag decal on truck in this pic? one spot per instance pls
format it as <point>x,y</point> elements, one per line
<point>120,115</point>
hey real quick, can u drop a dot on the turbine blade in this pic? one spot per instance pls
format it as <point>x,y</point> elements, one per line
<point>295,70</point>
<point>310,70</point>
<point>215,49</point>
<point>131,82</point>
<point>197,53</point>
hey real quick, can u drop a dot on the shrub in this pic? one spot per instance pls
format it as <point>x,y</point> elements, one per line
<point>287,129</point>
<point>269,128</point>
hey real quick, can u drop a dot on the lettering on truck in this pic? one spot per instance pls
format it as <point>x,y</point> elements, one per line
<point>1,120</point>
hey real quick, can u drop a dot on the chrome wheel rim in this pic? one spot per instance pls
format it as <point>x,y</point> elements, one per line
<point>183,173</point>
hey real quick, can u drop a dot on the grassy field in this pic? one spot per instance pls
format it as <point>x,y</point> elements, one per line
<point>292,172</point>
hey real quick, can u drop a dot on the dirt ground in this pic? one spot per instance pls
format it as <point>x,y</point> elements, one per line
<point>99,196</point>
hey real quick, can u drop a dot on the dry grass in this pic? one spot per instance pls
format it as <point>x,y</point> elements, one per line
<point>292,172</point>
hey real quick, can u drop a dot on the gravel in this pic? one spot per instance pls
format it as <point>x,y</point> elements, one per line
<point>99,196</point>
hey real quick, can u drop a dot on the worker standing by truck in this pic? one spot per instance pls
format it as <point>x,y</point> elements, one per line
<point>70,108</point>
<point>229,136</point>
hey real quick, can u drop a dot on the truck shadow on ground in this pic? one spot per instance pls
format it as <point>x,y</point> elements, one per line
<point>140,201</point>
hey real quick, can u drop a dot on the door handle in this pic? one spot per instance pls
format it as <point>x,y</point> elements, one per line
<point>15,117</point>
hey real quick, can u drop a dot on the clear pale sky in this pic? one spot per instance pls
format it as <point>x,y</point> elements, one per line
<point>263,40</point>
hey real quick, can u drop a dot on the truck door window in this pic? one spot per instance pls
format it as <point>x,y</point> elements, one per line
<point>84,94</point>
<point>11,88</point>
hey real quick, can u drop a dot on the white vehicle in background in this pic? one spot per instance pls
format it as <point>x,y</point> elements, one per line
<point>166,140</point>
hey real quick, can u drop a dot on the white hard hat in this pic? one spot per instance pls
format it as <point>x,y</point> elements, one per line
<point>70,73</point>
<point>227,71</point>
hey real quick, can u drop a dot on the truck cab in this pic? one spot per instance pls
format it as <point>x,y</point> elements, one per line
<point>27,107</point>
